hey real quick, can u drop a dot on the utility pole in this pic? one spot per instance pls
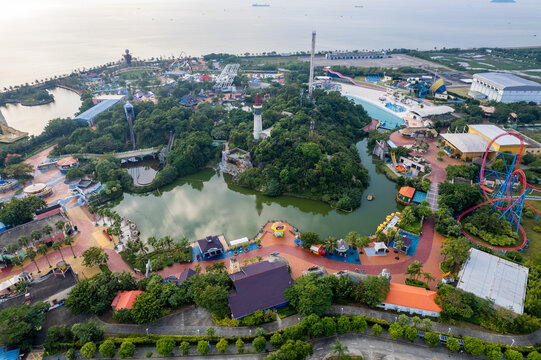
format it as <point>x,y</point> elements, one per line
<point>311,82</point>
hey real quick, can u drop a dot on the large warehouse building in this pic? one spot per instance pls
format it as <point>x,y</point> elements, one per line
<point>506,88</point>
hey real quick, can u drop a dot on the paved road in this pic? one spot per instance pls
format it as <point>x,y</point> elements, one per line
<point>378,348</point>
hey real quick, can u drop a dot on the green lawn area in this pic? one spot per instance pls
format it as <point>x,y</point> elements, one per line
<point>286,311</point>
<point>414,227</point>
<point>534,247</point>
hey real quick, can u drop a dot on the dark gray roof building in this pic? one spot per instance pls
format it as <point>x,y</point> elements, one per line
<point>259,286</point>
<point>210,246</point>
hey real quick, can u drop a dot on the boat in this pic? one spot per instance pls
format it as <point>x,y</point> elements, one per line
<point>260,5</point>
<point>359,6</point>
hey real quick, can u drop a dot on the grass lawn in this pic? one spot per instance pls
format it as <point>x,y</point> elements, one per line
<point>286,311</point>
<point>414,227</point>
<point>528,224</point>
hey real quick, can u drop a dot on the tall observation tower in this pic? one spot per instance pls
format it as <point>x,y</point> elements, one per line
<point>127,57</point>
<point>311,82</point>
<point>258,124</point>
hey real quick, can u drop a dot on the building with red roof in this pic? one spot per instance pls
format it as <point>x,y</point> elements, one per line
<point>411,299</point>
<point>406,194</point>
<point>125,299</point>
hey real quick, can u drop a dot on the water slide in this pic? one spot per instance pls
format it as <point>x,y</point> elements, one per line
<point>399,167</point>
<point>355,82</point>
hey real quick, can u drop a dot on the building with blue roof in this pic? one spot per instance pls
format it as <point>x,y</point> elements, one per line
<point>504,87</point>
<point>6,354</point>
<point>94,111</point>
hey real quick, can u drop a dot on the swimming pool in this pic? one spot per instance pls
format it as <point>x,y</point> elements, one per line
<point>387,119</point>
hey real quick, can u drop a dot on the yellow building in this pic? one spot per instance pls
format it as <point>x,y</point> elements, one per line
<point>476,140</point>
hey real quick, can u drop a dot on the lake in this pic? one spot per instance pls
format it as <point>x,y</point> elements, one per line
<point>33,119</point>
<point>207,203</point>
<point>46,38</point>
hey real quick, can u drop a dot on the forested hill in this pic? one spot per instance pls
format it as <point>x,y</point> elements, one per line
<point>321,164</point>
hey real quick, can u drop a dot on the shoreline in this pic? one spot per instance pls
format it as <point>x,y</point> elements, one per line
<point>372,97</point>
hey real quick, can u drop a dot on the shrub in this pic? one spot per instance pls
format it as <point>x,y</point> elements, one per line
<point>537,229</point>
<point>165,346</point>
<point>453,344</point>
<point>222,345</point>
<point>534,355</point>
<point>240,346</point>
<point>403,319</point>
<point>377,329</point>
<point>259,344</point>
<point>211,331</point>
<point>71,355</point>
<point>185,347</point>
<point>359,323</point>
<point>410,333</point>
<point>107,349</point>
<point>344,324</point>
<point>417,283</point>
<point>259,332</point>
<point>511,354</point>
<point>148,354</point>
<point>396,330</point>
<point>493,351</point>
<point>473,346</point>
<point>276,340</point>
<point>432,339</point>
<point>127,349</point>
<point>122,316</point>
<point>329,326</point>
<point>89,331</point>
<point>203,347</point>
<point>88,349</point>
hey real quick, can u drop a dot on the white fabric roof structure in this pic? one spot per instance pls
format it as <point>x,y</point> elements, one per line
<point>466,143</point>
<point>491,277</point>
<point>239,241</point>
<point>508,81</point>
<point>342,246</point>
<point>434,110</point>
<point>380,246</point>
<point>491,131</point>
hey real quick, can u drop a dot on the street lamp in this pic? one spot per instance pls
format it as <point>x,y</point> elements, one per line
<point>147,332</point>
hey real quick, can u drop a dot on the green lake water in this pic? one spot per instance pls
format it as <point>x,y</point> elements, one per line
<point>207,203</point>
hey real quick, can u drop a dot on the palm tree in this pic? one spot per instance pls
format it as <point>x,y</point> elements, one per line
<point>152,242</point>
<point>167,242</point>
<point>407,216</point>
<point>110,232</point>
<point>57,245</point>
<point>68,240</point>
<point>47,230</point>
<point>12,248</point>
<point>17,261</point>
<point>414,269</point>
<point>381,236</point>
<point>140,246</point>
<point>352,238</point>
<point>42,249</point>
<point>331,244</point>
<point>32,256</point>
<point>428,277</point>
<point>59,225</point>
<point>35,235</point>
<point>23,241</point>
<point>339,349</point>
<point>398,245</point>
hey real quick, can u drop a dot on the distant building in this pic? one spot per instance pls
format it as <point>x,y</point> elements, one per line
<point>259,286</point>
<point>476,140</point>
<point>411,299</point>
<point>356,55</point>
<point>125,299</point>
<point>494,278</point>
<point>504,87</point>
<point>210,246</point>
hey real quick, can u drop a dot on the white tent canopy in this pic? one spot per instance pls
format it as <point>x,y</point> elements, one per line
<point>380,246</point>
<point>239,241</point>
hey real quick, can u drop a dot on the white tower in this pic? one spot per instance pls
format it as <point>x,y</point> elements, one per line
<point>258,124</point>
<point>311,81</point>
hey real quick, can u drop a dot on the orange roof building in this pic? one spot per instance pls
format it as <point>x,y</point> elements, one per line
<point>411,299</point>
<point>406,194</point>
<point>125,299</point>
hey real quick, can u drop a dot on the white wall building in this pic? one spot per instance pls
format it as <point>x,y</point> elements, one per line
<point>503,87</point>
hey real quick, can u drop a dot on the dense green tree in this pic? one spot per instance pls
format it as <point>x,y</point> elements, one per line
<point>88,350</point>
<point>458,197</point>
<point>214,299</point>
<point>164,346</point>
<point>309,295</point>
<point>148,307</point>
<point>71,355</point>
<point>329,326</point>
<point>534,355</point>
<point>511,354</point>
<point>89,331</point>
<point>239,344</point>
<point>344,324</point>
<point>276,340</point>
<point>358,323</point>
<point>19,211</point>
<point>94,256</point>
<point>19,324</point>
<point>222,345</point>
<point>377,329</point>
<point>410,333</point>
<point>184,347</point>
<point>493,351</point>
<point>127,350</point>
<point>107,349</point>
<point>203,347</point>
<point>259,344</point>
<point>396,330</point>
<point>371,291</point>
<point>473,346</point>
<point>453,344</point>
<point>432,339</point>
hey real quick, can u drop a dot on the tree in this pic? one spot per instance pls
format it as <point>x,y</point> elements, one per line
<point>259,344</point>
<point>42,249</point>
<point>35,235</point>
<point>165,346</point>
<point>17,261</point>
<point>47,230</point>
<point>377,329</point>
<point>107,349</point>
<point>276,340</point>
<point>185,347</point>
<point>396,330</point>
<point>31,254</point>
<point>127,350</point>
<point>59,225</point>
<point>427,324</point>
<point>511,354</point>
<point>453,344</point>
<point>12,248</point>
<point>493,351</point>
<point>296,350</point>
<point>211,331</point>
<point>310,295</point>
<point>203,347</point>
<point>89,331</point>
<point>432,339</point>
<point>441,153</point>
<point>19,211</point>
<point>331,244</point>
<point>19,324</point>
<point>214,298</point>
<point>344,325</point>
<point>71,355</point>
<point>68,240</point>
<point>309,239</point>
<point>410,333</point>
<point>534,355</point>
<point>259,332</point>
<point>416,321</point>
<point>222,345</point>
<point>240,345</point>
<point>371,291</point>
<point>329,326</point>
<point>148,306</point>
<point>473,346</point>
<point>94,256</point>
<point>403,319</point>
<point>57,246</point>
<point>407,216</point>
<point>23,241</point>
<point>414,269</point>
<point>88,350</point>
<point>359,323</point>
<point>339,349</point>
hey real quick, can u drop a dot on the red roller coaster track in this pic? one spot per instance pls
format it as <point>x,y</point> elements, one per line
<point>508,199</point>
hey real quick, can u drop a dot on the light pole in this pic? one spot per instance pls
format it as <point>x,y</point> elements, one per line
<point>342,311</point>
<point>147,332</point>
<point>449,330</point>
